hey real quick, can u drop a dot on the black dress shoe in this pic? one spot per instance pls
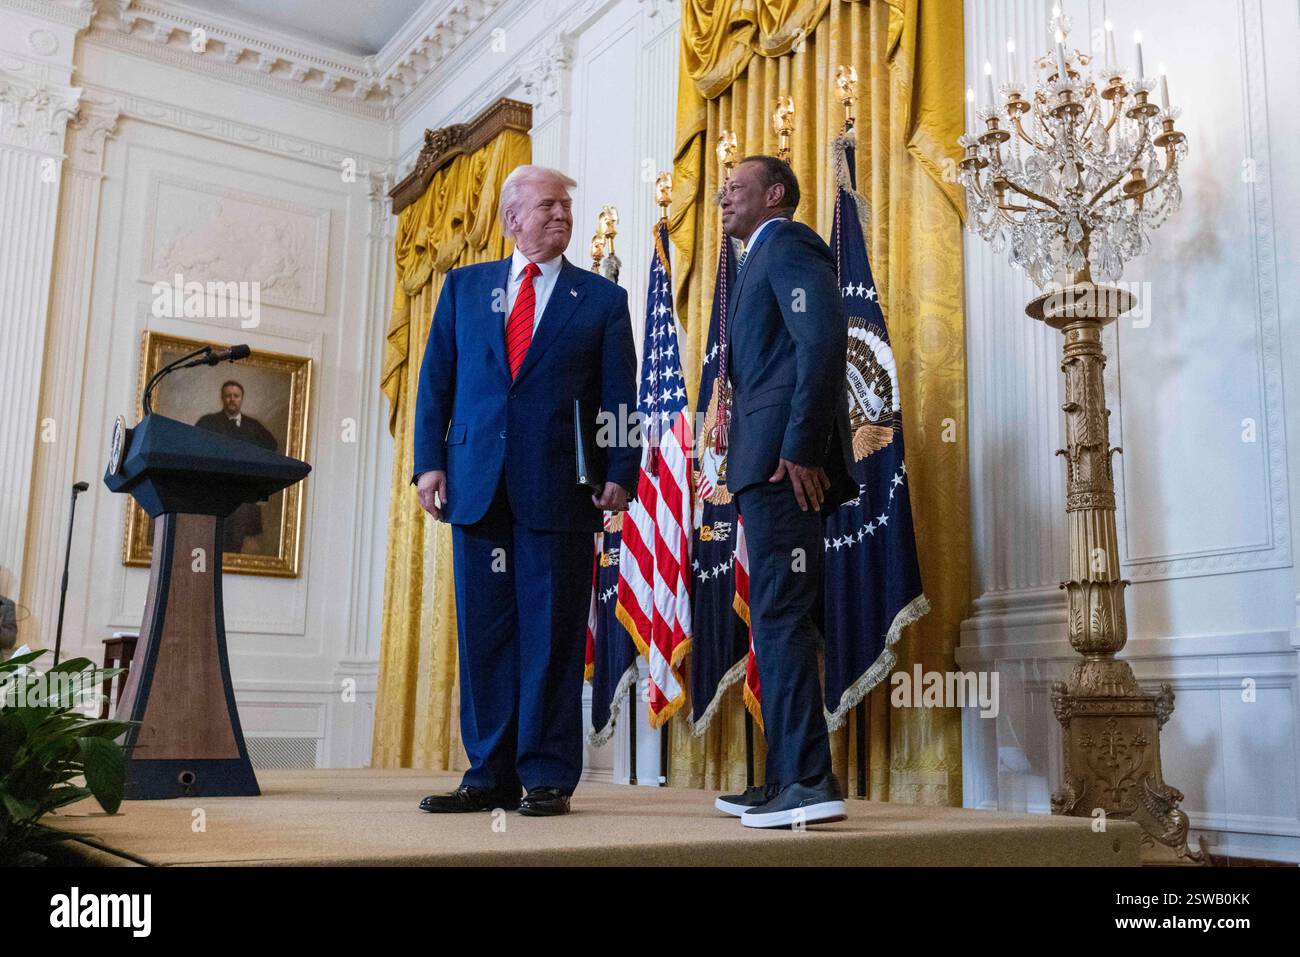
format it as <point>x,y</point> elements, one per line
<point>466,799</point>
<point>544,802</point>
<point>753,796</point>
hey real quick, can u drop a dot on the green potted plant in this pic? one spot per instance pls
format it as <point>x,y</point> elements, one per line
<point>51,754</point>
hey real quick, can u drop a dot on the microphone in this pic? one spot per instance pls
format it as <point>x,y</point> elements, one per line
<point>233,354</point>
<point>199,357</point>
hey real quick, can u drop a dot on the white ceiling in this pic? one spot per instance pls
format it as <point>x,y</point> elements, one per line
<point>360,27</point>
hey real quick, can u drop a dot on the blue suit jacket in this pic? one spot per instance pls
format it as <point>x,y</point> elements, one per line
<point>473,421</point>
<point>787,344</point>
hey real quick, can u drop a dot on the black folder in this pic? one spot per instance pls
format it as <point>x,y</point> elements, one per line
<point>589,465</point>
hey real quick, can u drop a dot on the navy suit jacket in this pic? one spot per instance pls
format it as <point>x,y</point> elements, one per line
<point>787,347</point>
<point>474,422</point>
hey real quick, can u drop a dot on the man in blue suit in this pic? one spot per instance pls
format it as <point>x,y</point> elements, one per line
<point>513,343</point>
<point>788,441</point>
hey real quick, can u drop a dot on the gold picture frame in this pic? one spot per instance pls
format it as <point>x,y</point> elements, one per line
<point>284,384</point>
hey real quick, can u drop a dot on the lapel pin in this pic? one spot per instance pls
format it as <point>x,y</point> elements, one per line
<point>573,293</point>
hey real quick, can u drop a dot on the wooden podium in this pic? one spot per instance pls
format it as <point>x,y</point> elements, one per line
<point>188,741</point>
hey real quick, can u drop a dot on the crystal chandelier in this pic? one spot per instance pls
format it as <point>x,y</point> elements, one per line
<point>1073,167</point>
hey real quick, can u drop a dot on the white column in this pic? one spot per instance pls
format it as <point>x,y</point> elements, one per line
<point>357,671</point>
<point>36,102</point>
<point>65,359</point>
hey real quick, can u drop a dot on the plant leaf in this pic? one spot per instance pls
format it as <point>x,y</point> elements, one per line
<point>105,771</point>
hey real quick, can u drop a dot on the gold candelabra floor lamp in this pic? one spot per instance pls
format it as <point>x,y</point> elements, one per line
<point>1069,171</point>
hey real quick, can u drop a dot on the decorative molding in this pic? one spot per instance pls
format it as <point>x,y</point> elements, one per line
<point>241,52</point>
<point>161,113</point>
<point>1276,552</point>
<point>35,116</point>
<point>89,132</point>
<point>76,14</point>
<point>547,78</point>
<point>259,242</point>
<point>278,63</point>
<point>426,42</point>
<point>444,144</point>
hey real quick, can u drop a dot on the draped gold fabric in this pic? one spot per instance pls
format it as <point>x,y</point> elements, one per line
<point>454,223</point>
<point>737,57</point>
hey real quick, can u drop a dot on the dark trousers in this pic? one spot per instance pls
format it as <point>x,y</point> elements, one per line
<point>785,571</point>
<point>522,598</point>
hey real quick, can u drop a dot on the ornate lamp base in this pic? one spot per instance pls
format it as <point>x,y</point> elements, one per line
<point>1112,757</point>
<point>1112,727</point>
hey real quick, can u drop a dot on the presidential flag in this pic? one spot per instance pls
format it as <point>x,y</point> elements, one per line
<point>611,656</point>
<point>721,639</point>
<point>654,582</point>
<point>872,579</point>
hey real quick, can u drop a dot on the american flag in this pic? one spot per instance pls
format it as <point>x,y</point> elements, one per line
<point>654,570</point>
<point>753,690</point>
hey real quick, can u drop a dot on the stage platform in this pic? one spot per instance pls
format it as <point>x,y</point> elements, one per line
<point>370,817</point>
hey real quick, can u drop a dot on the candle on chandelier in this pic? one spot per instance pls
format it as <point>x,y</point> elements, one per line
<point>988,84</point>
<point>1137,38</point>
<point>1164,87</point>
<point>1060,57</point>
<point>970,108</point>
<point>1110,45</point>
<point>1011,60</point>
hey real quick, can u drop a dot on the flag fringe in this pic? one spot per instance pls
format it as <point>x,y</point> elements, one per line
<point>643,648</point>
<point>754,707</point>
<point>735,673</point>
<point>913,611</point>
<point>849,138</point>
<point>599,738</point>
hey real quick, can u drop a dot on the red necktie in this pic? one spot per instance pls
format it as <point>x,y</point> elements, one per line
<point>519,327</point>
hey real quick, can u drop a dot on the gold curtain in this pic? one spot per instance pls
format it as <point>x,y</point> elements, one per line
<point>454,223</point>
<point>737,57</point>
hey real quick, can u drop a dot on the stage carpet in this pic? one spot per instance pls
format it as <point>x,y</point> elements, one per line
<point>370,817</point>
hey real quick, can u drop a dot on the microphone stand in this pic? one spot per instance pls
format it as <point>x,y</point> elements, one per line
<point>77,489</point>
<point>204,356</point>
<point>161,373</point>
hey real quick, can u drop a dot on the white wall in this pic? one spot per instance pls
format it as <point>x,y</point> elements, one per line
<point>166,116</point>
<point>1205,517</point>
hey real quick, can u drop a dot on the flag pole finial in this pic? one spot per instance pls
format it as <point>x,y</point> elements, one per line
<point>664,193</point>
<point>783,124</point>
<point>846,91</point>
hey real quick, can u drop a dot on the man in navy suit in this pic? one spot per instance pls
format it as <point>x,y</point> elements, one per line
<point>513,343</point>
<point>787,427</point>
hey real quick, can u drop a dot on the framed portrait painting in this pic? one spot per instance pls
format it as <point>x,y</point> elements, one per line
<point>263,399</point>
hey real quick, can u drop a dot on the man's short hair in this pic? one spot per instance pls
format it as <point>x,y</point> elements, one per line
<point>234,383</point>
<point>518,178</point>
<point>778,171</point>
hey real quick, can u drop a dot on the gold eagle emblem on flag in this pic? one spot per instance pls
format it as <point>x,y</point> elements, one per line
<point>872,382</point>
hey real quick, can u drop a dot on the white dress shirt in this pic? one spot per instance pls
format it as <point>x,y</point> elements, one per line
<point>543,285</point>
<point>749,243</point>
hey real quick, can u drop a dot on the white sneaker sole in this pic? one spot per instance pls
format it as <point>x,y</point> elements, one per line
<point>823,813</point>
<point>726,807</point>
